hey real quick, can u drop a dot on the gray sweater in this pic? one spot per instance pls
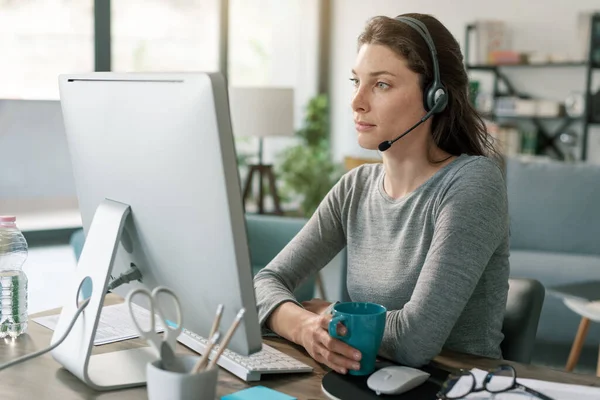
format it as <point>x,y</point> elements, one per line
<point>437,258</point>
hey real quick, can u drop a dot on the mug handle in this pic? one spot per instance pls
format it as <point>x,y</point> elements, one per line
<point>333,327</point>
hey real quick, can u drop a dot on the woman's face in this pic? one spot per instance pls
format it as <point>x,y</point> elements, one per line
<point>387,98</point>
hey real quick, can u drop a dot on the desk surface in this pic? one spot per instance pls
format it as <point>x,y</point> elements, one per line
<point>43,378</point>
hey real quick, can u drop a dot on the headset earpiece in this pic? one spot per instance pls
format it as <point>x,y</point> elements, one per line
<point>440,102</point>
<point>435,96</point>
<point>426,96</point>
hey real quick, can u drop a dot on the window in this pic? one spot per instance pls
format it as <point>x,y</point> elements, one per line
<point>165,35</point>
<point>41,39</point>
<point>274,43</point>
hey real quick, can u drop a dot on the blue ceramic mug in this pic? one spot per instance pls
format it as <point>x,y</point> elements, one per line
<point>365,324</point>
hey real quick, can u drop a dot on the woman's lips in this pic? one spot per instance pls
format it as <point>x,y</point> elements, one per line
<point>363,126</point>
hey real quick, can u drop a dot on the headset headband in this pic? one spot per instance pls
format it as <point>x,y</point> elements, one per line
<point>422,30</point>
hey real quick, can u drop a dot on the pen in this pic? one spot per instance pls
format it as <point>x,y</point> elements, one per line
<point>217,320</point>
<point>202,361</point>
<point>227,338</point>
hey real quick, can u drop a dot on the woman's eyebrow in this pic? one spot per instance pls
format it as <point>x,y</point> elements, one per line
<point>377,73</point>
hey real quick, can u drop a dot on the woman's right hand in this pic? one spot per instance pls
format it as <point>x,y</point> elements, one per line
<point>314,337</point>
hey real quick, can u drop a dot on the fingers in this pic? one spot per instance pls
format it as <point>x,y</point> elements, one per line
<point>336,361</point>
<point>334,353</point>
<point>324,321</point>
<point>339,347</point>
<point>340,328</point>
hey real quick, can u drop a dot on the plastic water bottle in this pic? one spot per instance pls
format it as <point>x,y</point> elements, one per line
<point>13,281</point>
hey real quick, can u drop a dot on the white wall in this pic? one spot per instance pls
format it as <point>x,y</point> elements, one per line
<point>545,26</point>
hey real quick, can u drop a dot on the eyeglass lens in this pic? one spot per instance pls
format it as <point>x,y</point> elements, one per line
<point>458,385</point>
<point>500,380</point>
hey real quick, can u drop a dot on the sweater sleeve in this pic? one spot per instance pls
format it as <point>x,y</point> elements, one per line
<point>310,250</point>
<point>470,224</point>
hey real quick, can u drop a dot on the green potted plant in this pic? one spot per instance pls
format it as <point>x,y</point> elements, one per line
<point>306,172</point>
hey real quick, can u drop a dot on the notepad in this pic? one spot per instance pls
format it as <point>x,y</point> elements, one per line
<point>115,323</point>
<point>258,393</point>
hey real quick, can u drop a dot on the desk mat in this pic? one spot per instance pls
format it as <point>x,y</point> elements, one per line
<point>349,387</point>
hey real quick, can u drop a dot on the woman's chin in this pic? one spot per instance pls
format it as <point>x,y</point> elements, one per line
<point>368,142</point>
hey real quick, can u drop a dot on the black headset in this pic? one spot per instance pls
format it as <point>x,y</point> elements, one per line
<point>435,96</point>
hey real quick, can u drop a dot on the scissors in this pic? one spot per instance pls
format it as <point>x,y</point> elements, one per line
<point>164,346</point>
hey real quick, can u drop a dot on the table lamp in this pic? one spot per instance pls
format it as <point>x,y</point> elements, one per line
<point>262,112</point>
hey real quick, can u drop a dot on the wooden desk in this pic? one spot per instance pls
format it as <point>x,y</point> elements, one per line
<point>43,378</point>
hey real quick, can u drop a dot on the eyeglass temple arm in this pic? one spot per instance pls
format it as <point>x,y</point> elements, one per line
<point>534,392</point>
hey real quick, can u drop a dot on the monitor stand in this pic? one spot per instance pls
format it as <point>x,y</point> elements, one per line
<point>108,371</point>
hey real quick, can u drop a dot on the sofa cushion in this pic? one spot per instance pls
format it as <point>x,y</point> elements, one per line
<point>557,322</point>
<point>554,206</point>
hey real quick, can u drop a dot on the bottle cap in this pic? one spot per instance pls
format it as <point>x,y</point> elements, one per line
<point>8,218</point>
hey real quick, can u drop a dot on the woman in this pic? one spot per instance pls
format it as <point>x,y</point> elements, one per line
<point>426,231</point>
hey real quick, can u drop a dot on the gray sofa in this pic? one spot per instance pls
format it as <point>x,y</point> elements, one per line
<point>555,235</point>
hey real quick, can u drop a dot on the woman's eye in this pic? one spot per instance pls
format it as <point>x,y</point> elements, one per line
<point>382,85</point>
<point>354,81</point>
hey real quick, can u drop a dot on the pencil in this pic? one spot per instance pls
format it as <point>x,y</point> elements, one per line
<point>217,320</point>
<point>225,342</point>
<point>202,361</point>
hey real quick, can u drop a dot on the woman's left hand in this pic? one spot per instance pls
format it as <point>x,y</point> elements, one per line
<point>317,306</point>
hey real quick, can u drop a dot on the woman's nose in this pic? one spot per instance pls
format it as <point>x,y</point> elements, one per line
<point>359,101</point>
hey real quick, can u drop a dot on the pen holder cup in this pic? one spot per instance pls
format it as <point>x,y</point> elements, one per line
<point>168,385</point>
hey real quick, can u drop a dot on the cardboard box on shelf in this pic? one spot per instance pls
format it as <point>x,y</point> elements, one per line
<point>490,36</point>
<point>547,108</point>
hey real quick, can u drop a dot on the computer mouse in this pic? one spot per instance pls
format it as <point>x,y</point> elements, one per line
<point>396,379</point>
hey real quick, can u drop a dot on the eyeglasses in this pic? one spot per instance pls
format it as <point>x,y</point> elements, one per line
<point>500,380</point>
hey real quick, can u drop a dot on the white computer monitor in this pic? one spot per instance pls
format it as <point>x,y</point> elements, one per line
<point>158,186</point>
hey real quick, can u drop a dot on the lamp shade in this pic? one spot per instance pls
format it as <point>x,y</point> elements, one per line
<point>262,111</point>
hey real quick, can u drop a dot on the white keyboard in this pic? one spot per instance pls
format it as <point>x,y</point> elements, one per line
<point>267,361</point>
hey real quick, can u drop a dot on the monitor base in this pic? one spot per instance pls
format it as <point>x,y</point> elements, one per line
<point>108,371</point>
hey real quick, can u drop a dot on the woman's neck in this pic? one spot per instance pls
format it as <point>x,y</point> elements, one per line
<point>406,170</point>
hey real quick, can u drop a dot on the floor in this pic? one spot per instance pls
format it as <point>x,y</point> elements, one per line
<point>48,268</point>
<point>556,357</point>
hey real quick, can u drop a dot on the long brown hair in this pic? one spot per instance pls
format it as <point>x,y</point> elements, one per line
<point>459,128</point>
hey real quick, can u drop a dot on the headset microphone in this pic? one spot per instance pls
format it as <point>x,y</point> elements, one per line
<point>383,146</point>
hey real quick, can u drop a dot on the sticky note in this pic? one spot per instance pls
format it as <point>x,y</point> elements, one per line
<point>258,393</point>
